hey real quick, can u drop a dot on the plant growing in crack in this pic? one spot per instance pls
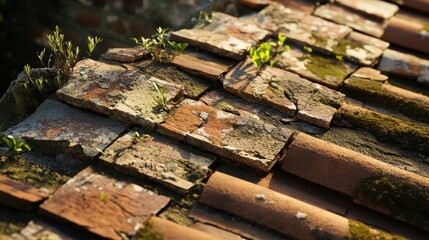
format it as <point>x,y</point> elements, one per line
<point>16,146</point>
<point>265,52</point>
<point>161,99</point>
<point>62,59</point>
<point>160,48</point>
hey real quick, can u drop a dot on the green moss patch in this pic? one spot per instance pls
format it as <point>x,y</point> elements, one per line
<point>409,135</point>
<point>401,199</point>
<point>148,233</point>
<point>325,68</point>
<point>9,228</point>
<point>360,231</point>
<point>344,44</point>
<point>363,85</point>
<point>194,86</point>
<point>20,169</point>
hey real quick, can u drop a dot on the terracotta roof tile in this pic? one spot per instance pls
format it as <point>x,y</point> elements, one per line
<point>226,35</point>
<point>376,8</point>
<point>102,204</point>
<point>358,176</point>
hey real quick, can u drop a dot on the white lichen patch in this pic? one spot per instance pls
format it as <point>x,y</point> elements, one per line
<point>301,215</point>
<point>260,197</point>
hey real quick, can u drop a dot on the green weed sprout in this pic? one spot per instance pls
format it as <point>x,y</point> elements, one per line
<point>160,48</point>
<point>267,50</point>
<point>16,146</point>
<point>62,58</point>
<point>161,100</point>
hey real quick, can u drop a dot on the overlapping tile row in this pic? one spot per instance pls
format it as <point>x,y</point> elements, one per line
<point>370,83</point>
<point>272,209</point>
<point>382,187</point>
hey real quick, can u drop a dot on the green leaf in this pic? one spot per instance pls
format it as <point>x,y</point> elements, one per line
<point>272,62</point>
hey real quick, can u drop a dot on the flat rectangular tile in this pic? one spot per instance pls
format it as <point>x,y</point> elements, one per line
<point>284,91</point>
<point>226,36</point>
<point>123,95</point>
<point>57,128</point>
<point>103,205</point>
<point>175,165</point>
<point>238,138</point>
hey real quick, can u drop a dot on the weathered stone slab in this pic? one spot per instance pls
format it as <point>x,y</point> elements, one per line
<point>342,15</point>
<point>375,8</point>
<point>319,68</point>
<point>202,64</point>
<point>175,165</point>
<point>238,138</point>
<point>57,128</point>
<point>406,65</point>
<point>102,204</point>
<point>227,36</point>
<point>194,86</point>
<point>125,55</point>
<point>360,48</point>
<point>283,91</point>
<point>123,95</point>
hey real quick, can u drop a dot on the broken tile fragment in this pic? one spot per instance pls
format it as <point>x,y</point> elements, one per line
<point>406,65</point>
<point>127,96</point>
<point>226,36</point>
<point>283,91</point>
<point>257,4</point>
<point>238,138</point>
<point>319,68</point>
<point>375,8</point>
<point>342,15</point>
<point>57,128</point>
<point>194,86</point>
<point>103,205</point>
<point>202,64</point>
<point>175,165</point>
<point>124,55</point>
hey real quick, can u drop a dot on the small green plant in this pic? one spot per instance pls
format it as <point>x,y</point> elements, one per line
<point>160,48</point>
<point>206,16</point>
<point>137,137</point>
<point>161,100</point>
<point>308,49</point>
<point>339,57</point>
<point>267,50</point>
<point>16,146</point>
<point>62,59</point>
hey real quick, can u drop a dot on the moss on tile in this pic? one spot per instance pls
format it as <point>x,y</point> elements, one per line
<point>372,90</point>
<point>320,41</point>
<point>8,228</point>
<point>409,135</point>
<point>325,67</point>
<point>148,233</point>
<point>360,231</point>
<point>21,169</point>
<point>344,44</point>
<point>181,205</point>
<point>194,86</point>
<point>401,199</point>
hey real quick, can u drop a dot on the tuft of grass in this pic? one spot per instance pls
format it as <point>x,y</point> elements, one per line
<point>161,99</point>
<point>16,146</point>
<point>160,48</point>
